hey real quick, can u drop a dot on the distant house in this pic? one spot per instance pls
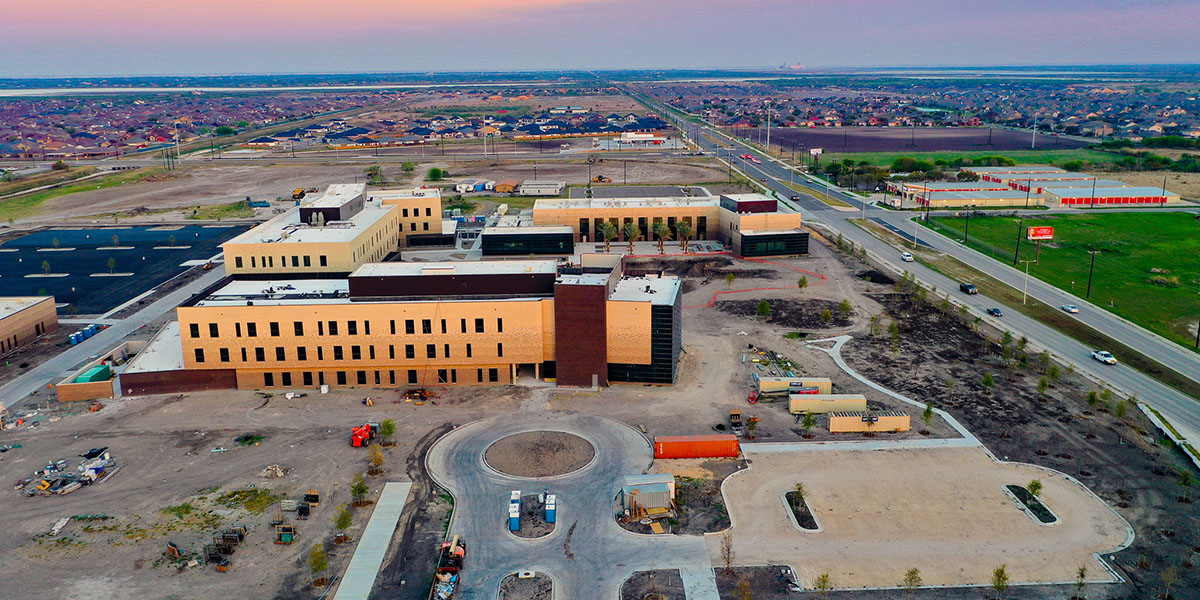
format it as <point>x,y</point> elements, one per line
<point>263,142</point>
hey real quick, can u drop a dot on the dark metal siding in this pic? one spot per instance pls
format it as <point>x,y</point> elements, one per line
<point>773,244</point>
<point>174,382</point>
<point>666,335</point>
<point>512,244</point>
<point>581,334</point>
<point>750,206</point>
<point>452,285</point>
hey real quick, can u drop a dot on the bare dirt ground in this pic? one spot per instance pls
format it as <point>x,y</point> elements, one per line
<point>1186,185</point>
<point>681,171</point>
<point>699,506</point>
<point>654,585</point>
<point>533,518</point>
<point>539,454</point>
<point>538,587</point>
<point>602,104</point>
<point>31,354</point>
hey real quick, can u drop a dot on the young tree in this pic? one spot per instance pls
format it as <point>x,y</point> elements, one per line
<point>1170,577</point>
<point>387,429</point>
<point>408,167</point>
<point>845,308</point>
<point>949,384</point>
<point>1054,372</point>
<point>826,317</point>
<point>729,278</point>
<point>874,325</point>
<point>46,267</point>
<point>54,242</point>
<point>375,455</point>
<point>1042,386</point>
<point>743,591</point>
<point>798,496</point>
<point>1000,581</point>
<point>912,580</point>
<point>116,240</point>
<point>662,231</point>
<point>823,584</point>
<point>1093,398</point>
<point>1034,488</point>
<point>608,231</point>
<point>988,382</point>
<point>1080,579</point>
<point>359,488</point>
<point>809,422</point>
<point>435,174</point>
<point>1044,360</point>
<point>632,234</point>
<point>763,309</point>
<point>683,232</point>
<point>802,283</point>
<point>318,561</point>
<point>344,519</point>
<point>727,551</point>
<point>927,415</point>
<point>112,264</point>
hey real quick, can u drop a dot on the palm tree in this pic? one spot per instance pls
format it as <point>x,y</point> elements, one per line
<point>608,231</point>
<point>683,232</point>
<point>632,234</point>
<point>662,232</point>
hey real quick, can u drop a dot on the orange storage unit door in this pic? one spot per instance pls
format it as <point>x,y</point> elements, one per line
<point>696,446</point>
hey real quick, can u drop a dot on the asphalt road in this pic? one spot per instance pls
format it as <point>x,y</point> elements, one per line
<point>1182,410</point>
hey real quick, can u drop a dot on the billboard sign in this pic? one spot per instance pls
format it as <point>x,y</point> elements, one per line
<point>815,151</point>
<point>1040,233</point>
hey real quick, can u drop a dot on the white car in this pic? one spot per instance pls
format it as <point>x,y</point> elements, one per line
<point>1071,308</point>
<point>906,257</point>
<point>1104,356</point>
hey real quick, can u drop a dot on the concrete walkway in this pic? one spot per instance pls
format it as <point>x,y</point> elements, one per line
<point>373,545</point>
<point>587,555</point>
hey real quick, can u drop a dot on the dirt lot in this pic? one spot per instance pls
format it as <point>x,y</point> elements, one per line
<point>1184,184</point>
<point>539,454</point>
<point>680,171</point>
<point>644,585</point>
<point>538,587</point>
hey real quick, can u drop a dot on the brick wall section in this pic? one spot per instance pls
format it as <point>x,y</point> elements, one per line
<point>581,340</point>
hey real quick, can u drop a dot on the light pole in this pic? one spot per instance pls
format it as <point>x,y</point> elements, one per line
<point>967,227</point>
<point>1017,252</point>
<point>1091,269</point>
<point>1028,187</point>
<point>1025,291</point>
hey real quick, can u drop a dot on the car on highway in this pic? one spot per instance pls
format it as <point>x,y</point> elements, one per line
<point>755,161</point>
<point>906,257</point>
<point>968,288</point>
<point>796,197</point>
<point>1104,356</point>
<point>762,178</point>
<point>1071,308</point>
<point>995,312</point>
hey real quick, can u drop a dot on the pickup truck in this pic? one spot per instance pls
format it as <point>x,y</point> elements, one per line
<point>968,288</point>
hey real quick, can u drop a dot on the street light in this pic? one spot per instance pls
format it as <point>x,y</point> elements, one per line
<point>967,227</point>
<point>1091,270</point>
<point>1025,291</point>
<point>1017,252</point>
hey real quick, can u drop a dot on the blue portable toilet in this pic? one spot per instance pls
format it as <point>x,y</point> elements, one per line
<point>551,508</point>
<point>74,340</point>
<point>514,517</point>
<point>86,333</point>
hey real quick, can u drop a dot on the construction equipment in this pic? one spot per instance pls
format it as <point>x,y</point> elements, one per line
<point>285,534</point>
<point>95,406</point>
<point>298,194</point>
<point>418,394</point>
<point>450,562</point>
<point>601,179</point>
<point>312,498</point>
<point>735,421</point>
<point>363,434</point>
<point>302,511</point>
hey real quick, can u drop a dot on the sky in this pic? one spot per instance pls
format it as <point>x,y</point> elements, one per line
<point>156,37</point>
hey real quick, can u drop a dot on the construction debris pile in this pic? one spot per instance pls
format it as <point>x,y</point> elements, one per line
<point>97,465</point>
<point>273,471</point>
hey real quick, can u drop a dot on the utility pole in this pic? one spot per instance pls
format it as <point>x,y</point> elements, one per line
<point>768,129</point>
<point>1025,292</point>
<point>1091,269</point>
<point>1028,186</point>
<point>1033,142</point>
<point>1164,196</point>
<point>1017,252</point>
<point>967,227</point>
<point>1093,192</point>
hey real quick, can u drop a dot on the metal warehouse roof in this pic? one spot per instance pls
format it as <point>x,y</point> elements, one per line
<point>1107,192</point>
<point>975,195</point>
<point>1020,169</point>
<point>491,267</point>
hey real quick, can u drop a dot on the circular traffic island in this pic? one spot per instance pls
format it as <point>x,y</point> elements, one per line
<point>539,454</point>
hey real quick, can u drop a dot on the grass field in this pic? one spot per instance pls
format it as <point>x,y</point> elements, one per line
<point>40,179</point>
<point>27,205</point>
<point>216,212</point>
<point>1148,269</point>
<point>1022,157</point>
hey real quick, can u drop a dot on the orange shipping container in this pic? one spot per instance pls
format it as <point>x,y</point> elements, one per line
<point>696,446</point>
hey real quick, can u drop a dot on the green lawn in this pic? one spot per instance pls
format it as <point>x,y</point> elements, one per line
<point>1131,245</point>
<point>216,212</point>
<point>1022,157</point>
<point>27,205</point>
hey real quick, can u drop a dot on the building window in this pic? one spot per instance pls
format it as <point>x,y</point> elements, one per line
<point>356,352</point>
<point>268,380</point>
<point>425,226</point>
<point>237,261</point>
<point>237,329</point>
<point>412,376</point>
<point>301,353</point>
<point>468,350</point>
<point>194,330</point>
<point>428,211</point>
<point>308,263</point>
<point>280,354</point>
<point>410,351</point>
<point>224,354</point>
<point>341,378</point>
<point>499,325</point>
<point>478,325</point>
<point>286,378</point>
<point>430,351</point>
<point>352,327</point>
<point>212,330</point>
<point>409,327</point>
<point>295,263</point>
<point>362,378</point>
<point>479,375</point>
<point>252,262</point>
<point>243,355</point>
<point>270,261</point>
<point>337,353</point>
<point>494,375</point>
<point>298,327</point>
<point>199,355</point>
<point>324,260</point>
<point>333,328</point>
<point>442,376</point>
<point>464,325</point>
<point>391,378</point>
<point>371,351</point>
<point>320,327</point>
<point>391,351</point>
<point>320,353</point>
<point>260,354</point>
<point>367,327</point>
<point>376,377</point>
<point>446,349</point>
<point>453,375</point>
<point>307,375</point>
<point>252,329</point>
<point>500,349</point>
<point>443,326</point>
<point>426,326</point>
<point>412,226</point>
<point>404,212</point>
<point>393,324</point>
<point>274,328</point>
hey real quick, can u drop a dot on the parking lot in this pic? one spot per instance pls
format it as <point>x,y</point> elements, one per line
<point>73,264</point>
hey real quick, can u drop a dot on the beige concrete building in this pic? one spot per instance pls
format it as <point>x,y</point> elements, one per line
<point>420,212</point>
<point>584,215</point>
<point>24,319</point>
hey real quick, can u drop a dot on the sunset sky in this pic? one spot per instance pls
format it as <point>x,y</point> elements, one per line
<point>120,37</point>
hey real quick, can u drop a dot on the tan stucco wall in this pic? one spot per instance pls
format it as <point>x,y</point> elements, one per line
<point>629,332</point>
<point>846,424</point>
<point>372,244</point>
<point>74,392</point>
<point>823,403</point>
<point>21,327</point>
<point>416,216</point>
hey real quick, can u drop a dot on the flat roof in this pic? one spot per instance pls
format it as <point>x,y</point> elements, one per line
<point>750,197</point>
<point>337,194</point>
<point>11,305</point>
<point>287,228</point>
<point>491,267</point>
<point>1059,183</point>
<point>858,413</point>
<point>534,229</point>
<point>1041,176</point>
<point>583,279</point>
<point>282,291</point>
<point>1107,192</point>
<point>656,290</point>
<point>1020,169</point>
<point>610,203</point>
<point>164,352</point>
<point>403,194</point>
<point>956,185</point>
<point>975,195</point>
<point>542,182</point>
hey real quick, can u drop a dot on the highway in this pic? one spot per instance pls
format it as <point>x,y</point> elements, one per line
<point>1182,410</point>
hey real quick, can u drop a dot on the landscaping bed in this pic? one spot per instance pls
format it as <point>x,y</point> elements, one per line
<point>1035,506</point>
<point>801,511</point>
<point>533,518</point>
<point>797,314</point>
<point>538,587</point>
<point>664,584</point>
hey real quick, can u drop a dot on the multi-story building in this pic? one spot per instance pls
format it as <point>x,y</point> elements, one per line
<point>24,319</point>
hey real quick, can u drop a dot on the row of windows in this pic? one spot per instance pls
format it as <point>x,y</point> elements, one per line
<point>269,261</point>
<point>410,326</point>
<point>410,352</point>
<point>361,377</point>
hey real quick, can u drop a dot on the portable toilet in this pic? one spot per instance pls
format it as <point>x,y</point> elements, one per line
<point>551,508</point>
<point>514,517</point>
<point>87,333</point>
<point>479,185</point>
<point>73,338</point>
